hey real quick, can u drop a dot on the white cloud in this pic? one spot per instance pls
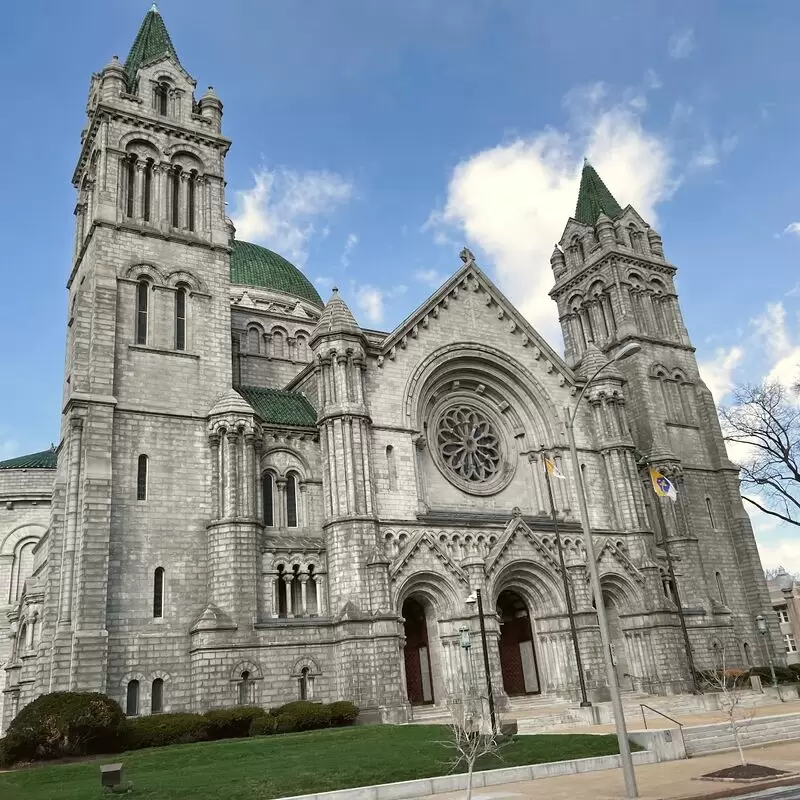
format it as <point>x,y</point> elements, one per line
<point>779,343</point>
<point>370,300</point>
<point>513,200</point>
<point>717,373</point>
<point>780,553</point>
<point>681,44</point>
<point>430,277</point>
<point>793,227</point>
<point>349,246</point>
<point>281,208</point>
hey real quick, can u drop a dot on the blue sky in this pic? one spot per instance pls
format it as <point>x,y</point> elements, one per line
<point>371,140</point>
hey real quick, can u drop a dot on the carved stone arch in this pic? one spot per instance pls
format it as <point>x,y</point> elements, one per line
<point>437,588</point>
<point>505,374</point>
<point>306,662</point>
<point>597,289</point>
<point>29,531</point>
<point>658,371</point>
<point>160,674</point>
<point>134,675</point>
<point>658,286</point>
<point>575,302</point>
<point>144,269</point>
<point>139,135</point>
<point>183,147</point>
<point>539,587</point>
<point>635,279</point>
<point>297,462</point>
<point>182,277</point>
<point>188,158</point>
<point>245,665</point>
<point>622,591</point>
<point>679,375</point>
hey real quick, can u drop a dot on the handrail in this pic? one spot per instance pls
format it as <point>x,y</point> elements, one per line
<point>643,706</point>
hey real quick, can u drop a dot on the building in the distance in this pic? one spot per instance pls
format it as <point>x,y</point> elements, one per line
<point>784,593</point>
<point>256,499</point>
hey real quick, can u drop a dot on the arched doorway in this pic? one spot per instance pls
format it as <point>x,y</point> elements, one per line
<point>619,652</point>
<point>419,678</point>
<point>517,653</point>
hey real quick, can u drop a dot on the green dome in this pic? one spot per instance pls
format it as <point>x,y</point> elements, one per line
<point>253,265</point>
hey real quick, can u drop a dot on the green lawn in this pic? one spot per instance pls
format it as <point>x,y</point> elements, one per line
<point>277,766</point>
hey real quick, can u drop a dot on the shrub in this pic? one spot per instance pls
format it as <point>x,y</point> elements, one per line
<point>342,713</point>
<point>64,724</point>
<point>232,723</point>
<point>160,730</point>
<point>263,725</point>
<point>783,674</point>
<point>301,715</point>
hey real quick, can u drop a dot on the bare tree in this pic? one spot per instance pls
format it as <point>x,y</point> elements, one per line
<point>765,420</point>
<point>470,737</point>
<point>730,684</point>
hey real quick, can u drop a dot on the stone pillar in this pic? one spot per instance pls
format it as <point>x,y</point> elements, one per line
<point>231,465</point>
<point>71,528</point>
<point>216,512</point>
<point>288,577</point>
<point>319,581</point>
<point>303,593</point>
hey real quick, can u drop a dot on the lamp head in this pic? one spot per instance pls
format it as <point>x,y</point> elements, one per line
<point>784,581</point>
<point>472,599</point>
<point>761,624</point>
<point>628,350</point>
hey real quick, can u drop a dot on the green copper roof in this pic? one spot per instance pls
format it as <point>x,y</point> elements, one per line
<point>253,265</point>
<point>151,42</point>
<point>594,197</point>
<point>280,406</point>
<point>44,460</point>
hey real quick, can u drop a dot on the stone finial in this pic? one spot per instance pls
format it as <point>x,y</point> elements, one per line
<point>336,317</point>
<point>557,262</point>
<point>467,256</point>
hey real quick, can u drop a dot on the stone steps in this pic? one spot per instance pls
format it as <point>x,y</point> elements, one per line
<point>701,739</point>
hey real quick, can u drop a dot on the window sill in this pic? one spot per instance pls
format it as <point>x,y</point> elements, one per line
<point>688,425</point>
<point>161,351</point>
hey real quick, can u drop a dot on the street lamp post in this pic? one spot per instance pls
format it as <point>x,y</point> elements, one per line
<point>763,629</point>
<point>475,597</point>
<point>594,577</point>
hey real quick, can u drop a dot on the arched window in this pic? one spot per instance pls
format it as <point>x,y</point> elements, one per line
<point>306,684</point>
<point>132,699</point>
<point>302,347</point>
<point>175,192</point>
<point>244,689</point>
<point>720,587</point>
<point>282,605</point>
<point>277,344</point>
<point>161,93</point>
<point>141,478</point>
<point>180,318</point>
<point>748,656</point>
<point>130,185</point>
<point>142,301</point>
<point>190,199</point>
<point>291,501</point>
<point>391,467</point>
<point>147,189</point>
<point>158,593</point>
<point>157,696</point>
<point>710,510</point>
<point>269,508</point>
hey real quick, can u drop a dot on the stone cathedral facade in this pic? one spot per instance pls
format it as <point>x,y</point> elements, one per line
<point>254,499</point>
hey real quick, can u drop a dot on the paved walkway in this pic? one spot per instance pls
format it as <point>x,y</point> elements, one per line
<point>674,780</point>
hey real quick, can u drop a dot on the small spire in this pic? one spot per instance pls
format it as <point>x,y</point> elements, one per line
<point>586,162</point>
<point>154,8</point>
<point>335,290</point>
<point>594,197</point>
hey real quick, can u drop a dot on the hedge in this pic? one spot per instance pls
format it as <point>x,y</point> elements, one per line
<point>342,713</point>
<point>263,726</point>
<point>63,724</point>
<point>159,730</point>
<point>232,723</point>
<point>302,715</point>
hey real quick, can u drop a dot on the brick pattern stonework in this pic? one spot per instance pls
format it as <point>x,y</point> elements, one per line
<point>291,554</point>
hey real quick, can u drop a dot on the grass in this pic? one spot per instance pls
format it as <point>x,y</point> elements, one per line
<point>278,766</point>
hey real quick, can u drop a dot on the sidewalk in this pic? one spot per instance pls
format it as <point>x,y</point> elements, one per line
<point>672,780</point>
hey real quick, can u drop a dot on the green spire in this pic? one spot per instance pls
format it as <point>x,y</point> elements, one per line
<point>151,42</point>
<point>594,198</point>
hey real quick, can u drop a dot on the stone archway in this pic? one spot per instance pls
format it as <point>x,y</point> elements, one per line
<point>417,652</point>
<point>619,650</point>
<point>518,662</point>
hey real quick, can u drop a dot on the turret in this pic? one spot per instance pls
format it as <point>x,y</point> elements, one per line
<point>211,108</point>
<point>112,80</point>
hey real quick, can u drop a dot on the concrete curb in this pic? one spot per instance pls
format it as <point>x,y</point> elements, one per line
<point>453,783</point>
<point>738,791</point>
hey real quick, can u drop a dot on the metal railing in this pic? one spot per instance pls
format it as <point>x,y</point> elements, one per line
<point>643,706</point>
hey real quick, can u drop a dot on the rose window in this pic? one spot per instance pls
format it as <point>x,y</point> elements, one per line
<point>468,445</point>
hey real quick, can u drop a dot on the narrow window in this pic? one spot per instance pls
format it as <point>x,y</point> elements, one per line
<point>180,318</point>
<point>157,696</point>
<point>291,501</point>
<point>720,587</point>
<point>132,699</point>
<point>244,689</point>
<point>277,344</point>
<point>266,486</point>
<point>391,467</point>
<point>748,657</point>
<point>791,645</point>
<point>158,593</point>
<point>783,615</point>
<point>304,683</point>
<point>141,478</point>
<point>162,95</point>
<point>148,187</point>
<point>253,340</point>
<point>190,199</point>
<point>130,185</point>
<point>279,586</point>
<point>142,300</point>
<point>710,513</point>
<point>176,194</point>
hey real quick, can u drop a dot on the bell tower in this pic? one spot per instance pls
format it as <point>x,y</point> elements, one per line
<point>149,327</point>
<point>614,285</point>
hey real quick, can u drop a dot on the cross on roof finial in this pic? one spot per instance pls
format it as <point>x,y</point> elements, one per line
<point>585,161</point>
<point>154,8</point>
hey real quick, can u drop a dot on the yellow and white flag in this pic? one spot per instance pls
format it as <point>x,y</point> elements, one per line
<point>553,471</point>
<point>662,486</point>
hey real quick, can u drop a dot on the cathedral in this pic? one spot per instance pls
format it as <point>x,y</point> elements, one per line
<point>254,499</point>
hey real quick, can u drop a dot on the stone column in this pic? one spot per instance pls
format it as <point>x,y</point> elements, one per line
<point>215,476</point>
<point>157,210</point>
<point>138,190</point>
<point>247,481</point>
<point>288,577</point>
<point>183,203</point>
<point>319,580</point>
<point>279,507</point>
<point>276,590</point>
<point>71,527</point>
<point>232,440</point>
<point>304,593</point>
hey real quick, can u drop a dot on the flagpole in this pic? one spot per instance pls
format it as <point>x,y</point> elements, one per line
<point>671,569</point>
<point>585,702</point>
